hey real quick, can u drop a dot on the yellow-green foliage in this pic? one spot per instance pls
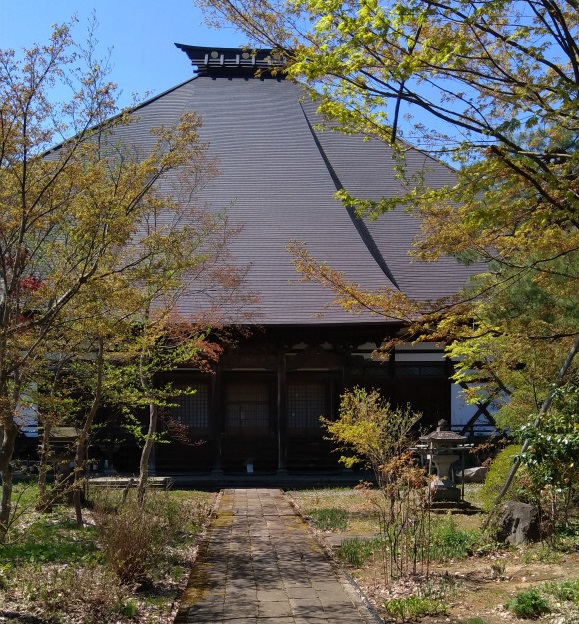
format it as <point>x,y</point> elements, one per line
<point>370,429</point>
<point>497,475</point>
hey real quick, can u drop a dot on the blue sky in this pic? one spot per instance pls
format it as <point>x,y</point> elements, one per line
<point>141,34</point>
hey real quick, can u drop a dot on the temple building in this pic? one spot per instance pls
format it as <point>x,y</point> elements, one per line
<point>278,173</point>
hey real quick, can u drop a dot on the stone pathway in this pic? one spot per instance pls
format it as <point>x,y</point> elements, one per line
<point>260,564</point>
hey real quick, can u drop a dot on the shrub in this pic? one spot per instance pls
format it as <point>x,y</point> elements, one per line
<point>566,539</point>
<point>498,569</point>
<point>552,453</point>
<point>6,571</point>
<point>370,430</point>
<point>497,474</point>
<point>91,595</point>
<point>131,540</point>
<point>528,605</point>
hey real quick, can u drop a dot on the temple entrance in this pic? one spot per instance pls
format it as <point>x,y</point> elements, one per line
<point>249,434</point>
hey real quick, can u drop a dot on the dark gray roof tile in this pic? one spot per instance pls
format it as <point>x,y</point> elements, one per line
<point>278,177</point>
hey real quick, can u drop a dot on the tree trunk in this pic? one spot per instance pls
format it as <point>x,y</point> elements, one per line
<point>44,500</point>
<point>9,434</point>
<point>146,453</point>
<point>80,457</point>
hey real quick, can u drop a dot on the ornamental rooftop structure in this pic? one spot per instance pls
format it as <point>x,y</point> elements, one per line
<point>217,61</point>
<point>278,174</point>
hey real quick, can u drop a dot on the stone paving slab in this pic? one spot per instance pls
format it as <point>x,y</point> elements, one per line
<point>260,564</point>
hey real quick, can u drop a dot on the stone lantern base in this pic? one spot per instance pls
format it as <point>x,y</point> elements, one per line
<point>444,492</point>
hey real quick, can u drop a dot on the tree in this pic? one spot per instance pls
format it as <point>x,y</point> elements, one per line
<point>492,87</point>
<point>488,71</point>
<point>187,256</point>
<point>553,450</point>
<point>162,342</point>
<point>371,431</point>
<point>73,217</point>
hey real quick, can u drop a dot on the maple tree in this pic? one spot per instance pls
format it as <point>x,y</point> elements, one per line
<point>491,87</point>
<point>83,248</point>
<point>192,258</point>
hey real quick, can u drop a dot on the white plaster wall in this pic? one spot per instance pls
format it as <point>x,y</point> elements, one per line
<point>27,415</point>
<point>461,412</point>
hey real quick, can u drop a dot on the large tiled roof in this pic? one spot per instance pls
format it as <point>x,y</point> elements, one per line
<point>278,176</point>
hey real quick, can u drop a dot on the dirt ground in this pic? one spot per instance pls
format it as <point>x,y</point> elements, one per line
<point>475,588</point>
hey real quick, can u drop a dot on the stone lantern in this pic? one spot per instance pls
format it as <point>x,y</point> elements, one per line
<point>442,448</point>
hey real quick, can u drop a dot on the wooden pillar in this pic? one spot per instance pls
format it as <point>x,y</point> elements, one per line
<point>281,414</point>
<point>217,420</point>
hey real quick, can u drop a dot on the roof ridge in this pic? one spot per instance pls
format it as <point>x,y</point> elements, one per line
<point>245,60</point>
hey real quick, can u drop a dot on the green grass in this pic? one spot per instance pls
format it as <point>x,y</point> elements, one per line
<point>564,590</point>
<point>25,494</point>
<point>412,607</point>
<point>448,542</point>
<point>51,540</point>
<point>356,551</point>
<point>329,518</point>
<point>128,609</point>
<point>541,553</point>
